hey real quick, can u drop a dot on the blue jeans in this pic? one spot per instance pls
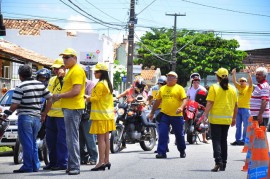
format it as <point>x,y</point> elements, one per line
<point>242,117</point>
<point>87,139</point>
<point>28,127</point>
<point>56,141</point>
<point>177,123</point>
<point>72,122</point>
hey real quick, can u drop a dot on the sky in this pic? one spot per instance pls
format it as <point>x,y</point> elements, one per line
<point>247,21</point>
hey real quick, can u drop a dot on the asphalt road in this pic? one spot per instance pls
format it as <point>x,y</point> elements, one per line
<point>133,162</point>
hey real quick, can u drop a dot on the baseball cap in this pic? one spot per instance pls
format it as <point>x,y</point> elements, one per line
<point>58,63</point>
<point>172,73</point>
<point>242,78</point>
<point>222,72</point>
<point>69,51</point>
<point>100,66</point>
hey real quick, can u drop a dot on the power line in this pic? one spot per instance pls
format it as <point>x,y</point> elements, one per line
<point>146,7</point>
<point>230,10</point>
<point>88,17</point>
<point>78,7</point>
<point>102,11</point>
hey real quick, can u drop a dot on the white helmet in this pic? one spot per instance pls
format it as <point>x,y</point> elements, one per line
<point>195,76</point>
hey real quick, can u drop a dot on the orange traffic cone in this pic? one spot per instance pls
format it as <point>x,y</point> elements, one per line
<point>258,166</point>
<point>254,125</point>
<point>245,149</point>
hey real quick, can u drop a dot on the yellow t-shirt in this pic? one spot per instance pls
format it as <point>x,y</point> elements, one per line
<point>172,98</point>
<point>54,87</point>
<point>101,102</point>
<point>75,75</point>
<point>244,95</point>
<point>224,103</point>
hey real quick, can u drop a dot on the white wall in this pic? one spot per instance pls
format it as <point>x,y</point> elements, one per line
<point>51,43</point>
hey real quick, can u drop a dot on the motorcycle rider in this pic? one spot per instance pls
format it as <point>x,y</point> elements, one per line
<point>195,79</point>
<point>131,94</point>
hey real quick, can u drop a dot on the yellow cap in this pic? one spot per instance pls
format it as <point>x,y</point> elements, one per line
<point>173,73</point>
<point>58,63</point>
<point>242,78</point>
<point>100,66</point>
<point>69,51</point>
<point>222,72</point>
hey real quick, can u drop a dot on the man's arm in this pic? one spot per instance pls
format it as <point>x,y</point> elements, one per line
<point>181,108</point>
<point>250,80</point>
<point>154,108</point>
<point>76,89</point>
<point>234,77</point>
<point>234,114</point>
<point>262,109</point>
<point>47,108</point>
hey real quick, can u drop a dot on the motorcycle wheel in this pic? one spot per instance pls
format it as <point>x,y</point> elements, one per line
<point>115,142</point>
<point>191,138</point>
<point>45,152</point>
<point>18,152</point>
<point>148,145</point>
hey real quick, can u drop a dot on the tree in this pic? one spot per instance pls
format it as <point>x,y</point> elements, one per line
<point>197,52</point>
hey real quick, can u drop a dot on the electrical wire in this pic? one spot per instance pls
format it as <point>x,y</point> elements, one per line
<point>146,7</point>
<point>230,10</point>
<point>89,17</point>
<point>102,11</point>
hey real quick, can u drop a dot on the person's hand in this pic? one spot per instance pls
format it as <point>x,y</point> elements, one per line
<point>55,97</point>
<point>233,122</point>
<point>151,116</point>
<point>61,73</point>
<point>43,116</point>
<point>179,110</point>
<point>234,71</point>
<point>260,119</point>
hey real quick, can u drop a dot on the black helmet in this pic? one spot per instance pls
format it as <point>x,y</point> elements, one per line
<point>45,73</point>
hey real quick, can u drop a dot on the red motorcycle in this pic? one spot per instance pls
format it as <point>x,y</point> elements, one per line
<point>194,125</point>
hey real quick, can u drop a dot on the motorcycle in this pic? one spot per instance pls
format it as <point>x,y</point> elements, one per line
<point>132,126</point>
<point>4,123</point>
<point>194,124</point>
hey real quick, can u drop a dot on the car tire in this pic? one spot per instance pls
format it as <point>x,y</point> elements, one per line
<point>18,152</point>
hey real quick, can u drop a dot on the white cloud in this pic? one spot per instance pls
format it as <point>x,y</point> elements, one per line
<point>78,23</point>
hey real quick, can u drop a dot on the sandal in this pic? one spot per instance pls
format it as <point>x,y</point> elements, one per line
<point>206,142</point>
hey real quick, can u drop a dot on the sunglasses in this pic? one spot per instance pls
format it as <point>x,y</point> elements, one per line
<point>67,57</point>
<point>196,80</point>
<point>242,81</point>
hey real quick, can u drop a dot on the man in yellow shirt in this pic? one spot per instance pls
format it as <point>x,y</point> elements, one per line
<point>72,103</point>
<point>174,99</point>
<point>243,113</point>
<point>55,125</point>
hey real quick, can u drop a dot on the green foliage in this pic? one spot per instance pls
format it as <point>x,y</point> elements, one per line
<point>196,52</point>
<point>119,71</point>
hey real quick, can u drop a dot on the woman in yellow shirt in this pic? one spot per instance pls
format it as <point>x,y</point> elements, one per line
<point>102,114</point>
<point>221,109</point>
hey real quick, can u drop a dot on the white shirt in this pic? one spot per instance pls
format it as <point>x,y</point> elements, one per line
<point>191,92</point>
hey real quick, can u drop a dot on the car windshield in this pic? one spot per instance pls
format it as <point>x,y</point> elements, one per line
<point>6,99</point>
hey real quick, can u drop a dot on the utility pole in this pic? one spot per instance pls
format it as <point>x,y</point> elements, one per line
<point>173,63</point>
<point>130,44</point>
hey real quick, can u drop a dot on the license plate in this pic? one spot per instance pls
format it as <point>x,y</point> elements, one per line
<point>11,136</point>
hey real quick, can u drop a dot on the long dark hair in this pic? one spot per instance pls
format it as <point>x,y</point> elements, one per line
<point>105,76</point>
<point>224,83</point>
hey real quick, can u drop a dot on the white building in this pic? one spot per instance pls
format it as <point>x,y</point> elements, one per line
<point>50,42</point>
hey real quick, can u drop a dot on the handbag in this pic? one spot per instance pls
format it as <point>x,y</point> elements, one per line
<point>86,112</point>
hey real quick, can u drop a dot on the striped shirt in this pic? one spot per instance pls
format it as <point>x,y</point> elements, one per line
<point>260,92</point>
<point>28,95</point>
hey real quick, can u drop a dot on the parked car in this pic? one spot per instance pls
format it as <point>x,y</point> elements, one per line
<point>10,137</point>
<point>11,134</point>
